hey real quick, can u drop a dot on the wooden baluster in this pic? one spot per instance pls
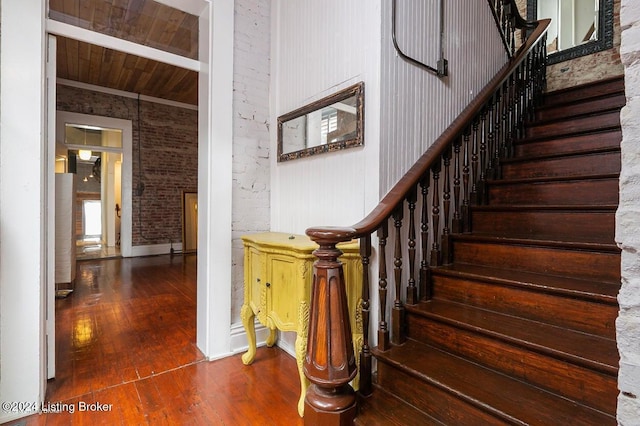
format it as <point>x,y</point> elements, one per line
<point>490,137</point>
<point>530,89</point>
<point>383,327</point>
<point>500,127</point>
<point>446,206</point>
<point>521,106</point>
<point>436,258</point>
<point>518,105</point>
<point>412,290</point>
<point>475,178</point>
<point>494,153</point>
<point>512,29</point>
<point>456,224</point>
<point>397,311</point>
<point>508,115</point>
<point>365,354</point>
<point>329,363</point>
<point>425,284</point>
<point>466,191</point>
<point>485,135</point>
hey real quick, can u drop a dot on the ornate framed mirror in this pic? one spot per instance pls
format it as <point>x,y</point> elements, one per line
<point>330,124</point>
<point>578,27</point>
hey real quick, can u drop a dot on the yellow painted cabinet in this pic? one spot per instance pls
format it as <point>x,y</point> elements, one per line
<point>278,275</point>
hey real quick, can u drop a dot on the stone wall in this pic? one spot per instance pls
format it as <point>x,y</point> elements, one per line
<point>167,140</point>
<point>628,222</point>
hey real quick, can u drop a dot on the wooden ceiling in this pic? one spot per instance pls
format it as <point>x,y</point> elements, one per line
<point>140,21</point>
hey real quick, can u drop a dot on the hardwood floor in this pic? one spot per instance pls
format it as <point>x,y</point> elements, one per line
<point>125,339</point>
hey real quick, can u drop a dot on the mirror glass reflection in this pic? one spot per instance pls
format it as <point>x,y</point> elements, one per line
<point>573,22</point>
<point>578,27</point>
<point>329,124</point>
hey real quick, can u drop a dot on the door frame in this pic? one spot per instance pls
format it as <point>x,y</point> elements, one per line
<point>23,116</point>
<point>64,117</point>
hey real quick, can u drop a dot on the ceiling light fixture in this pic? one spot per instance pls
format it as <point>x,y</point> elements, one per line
<point>84,154</point>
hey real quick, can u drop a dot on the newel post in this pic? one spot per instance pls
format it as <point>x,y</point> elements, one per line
<point>329,363</point>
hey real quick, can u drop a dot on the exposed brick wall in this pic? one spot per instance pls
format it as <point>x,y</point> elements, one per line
<point>251,176</point>
<point>169,159</point>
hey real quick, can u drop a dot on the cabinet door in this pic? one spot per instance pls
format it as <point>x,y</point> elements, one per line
<point>255,281</point>
<point>284,290</point>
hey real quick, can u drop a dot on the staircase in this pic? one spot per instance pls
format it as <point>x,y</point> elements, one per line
<point>520,326</point>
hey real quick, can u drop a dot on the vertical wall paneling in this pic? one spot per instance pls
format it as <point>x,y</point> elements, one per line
<point>318,49</point>
<point>417,106</point>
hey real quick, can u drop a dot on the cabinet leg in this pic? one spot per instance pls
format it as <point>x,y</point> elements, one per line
<point>247,316</point>
<point>271,340</point>
<point>301,351</point>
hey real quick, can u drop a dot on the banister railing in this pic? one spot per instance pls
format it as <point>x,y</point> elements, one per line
<point>438,189</point>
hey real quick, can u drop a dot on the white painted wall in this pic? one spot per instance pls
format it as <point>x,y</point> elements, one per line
<point>22,207</point>
<point>319,48</point>
<point>628,221</point>
<point>251,185</point>
<point>416,106</point>
<point>215,142</point>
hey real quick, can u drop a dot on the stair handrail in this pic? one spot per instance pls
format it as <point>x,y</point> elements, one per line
<point>330,362</point>
<point>397,193</point>
<point>508,20</point>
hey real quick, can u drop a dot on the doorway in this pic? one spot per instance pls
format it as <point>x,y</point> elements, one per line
<point>94,157</point>
<point>97,151</point>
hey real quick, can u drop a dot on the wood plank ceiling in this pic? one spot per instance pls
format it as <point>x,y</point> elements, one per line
<point>140,21</point>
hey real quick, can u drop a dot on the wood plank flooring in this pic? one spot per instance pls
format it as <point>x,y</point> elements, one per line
<point>125,339</point>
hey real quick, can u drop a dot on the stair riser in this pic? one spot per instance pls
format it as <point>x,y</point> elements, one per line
<point>586,92</point>
<point>572,166</point>
<point>540,259</point>
<point>584,192</point>
<point>576,125</point>
<point>580,384</point>
<point>569,144</point>
<point>544,224</point>
<point>431,399</point>
<point>557,310</point>
<point>588,107</point>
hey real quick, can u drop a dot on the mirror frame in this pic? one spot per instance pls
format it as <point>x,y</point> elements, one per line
<point>356,90</point>
<point>605,34</point>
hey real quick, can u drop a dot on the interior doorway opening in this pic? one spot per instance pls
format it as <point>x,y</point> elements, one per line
<point>94,156</point>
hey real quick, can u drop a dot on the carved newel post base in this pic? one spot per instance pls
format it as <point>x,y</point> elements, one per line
<point>330,363</point>
<point>330,407</point>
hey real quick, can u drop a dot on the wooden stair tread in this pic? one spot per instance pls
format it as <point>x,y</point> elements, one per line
<point>504,397</point>
<point>582,92</point>
<point>604,292</point>
<point>603,102</point>
<point>382,408</point>
<point>544,179</point>
<point>566,154</point>
<point>574,125</point>
<point>611,134</point>
<point>551,340</point>
<point>606,208</point>
<point>571,245</point>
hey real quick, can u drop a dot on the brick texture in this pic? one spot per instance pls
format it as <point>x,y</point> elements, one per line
<point>251,175</point>
<point>167,141</point>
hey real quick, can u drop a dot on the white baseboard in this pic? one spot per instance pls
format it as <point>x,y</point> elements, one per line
<point>155,249</point>
<point>240,344</point>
